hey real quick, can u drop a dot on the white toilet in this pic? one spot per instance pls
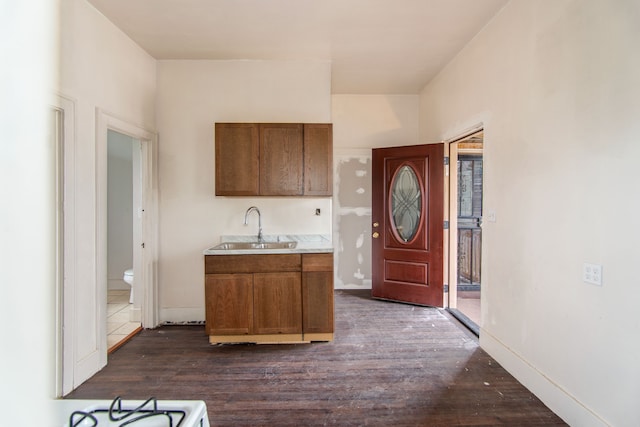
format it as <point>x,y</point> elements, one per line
<point>128,278</point>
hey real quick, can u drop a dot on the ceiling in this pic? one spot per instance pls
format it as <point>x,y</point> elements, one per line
<point>375,46</point>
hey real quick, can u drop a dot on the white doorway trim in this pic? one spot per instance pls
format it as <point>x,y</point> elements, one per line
<point>65,247</point>
<point>147,277</point>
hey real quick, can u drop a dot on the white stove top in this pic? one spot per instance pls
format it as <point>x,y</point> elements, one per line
<point>164,413</point>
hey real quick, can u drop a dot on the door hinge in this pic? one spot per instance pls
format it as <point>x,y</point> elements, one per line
<point>446,161</point>
<point>445,288</point>
<point>445,225</point>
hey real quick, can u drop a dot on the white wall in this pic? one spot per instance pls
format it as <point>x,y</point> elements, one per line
<point>557,86</point>
<point>192,96</point>
<point>27,245</point>
<point>374,121</point>
<point>362,122</point>
<point>101,68</point>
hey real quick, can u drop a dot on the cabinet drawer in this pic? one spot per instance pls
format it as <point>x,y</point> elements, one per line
<point>317,262</point>
<point>267,263</point>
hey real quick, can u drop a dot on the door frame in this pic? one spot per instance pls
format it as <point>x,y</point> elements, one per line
<point>65,249</point>
<point>148,277</point>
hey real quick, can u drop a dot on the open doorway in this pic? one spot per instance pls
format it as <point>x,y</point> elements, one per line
<point>139,146</point>
<point>465,202</point>
<point>124,229</point>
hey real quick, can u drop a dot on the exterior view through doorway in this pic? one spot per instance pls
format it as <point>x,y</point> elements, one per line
<point>465,237</point>
<point>415,252</point>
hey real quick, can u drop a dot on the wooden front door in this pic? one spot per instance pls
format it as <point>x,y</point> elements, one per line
<point>407,224</point>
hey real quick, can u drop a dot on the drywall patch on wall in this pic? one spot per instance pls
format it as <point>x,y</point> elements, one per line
<point>352,204</point>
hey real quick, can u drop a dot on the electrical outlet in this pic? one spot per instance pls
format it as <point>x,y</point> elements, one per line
<point>592,273</point>
<point>318,211</point>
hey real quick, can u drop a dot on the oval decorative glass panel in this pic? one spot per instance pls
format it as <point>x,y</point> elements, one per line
<point>406,203</point>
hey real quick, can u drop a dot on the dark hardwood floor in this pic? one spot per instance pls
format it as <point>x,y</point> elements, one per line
<point>389,365</point>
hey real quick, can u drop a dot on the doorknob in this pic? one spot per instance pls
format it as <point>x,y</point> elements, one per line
<point>375,234</point>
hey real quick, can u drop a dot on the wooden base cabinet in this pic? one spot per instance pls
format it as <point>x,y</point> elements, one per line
<point>276,303</point>
<point>229,304</point>
<point>317,296</point>
<point>269,298</point>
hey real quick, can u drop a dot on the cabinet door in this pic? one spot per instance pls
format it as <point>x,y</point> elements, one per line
<point>318,159</point>
<point>237,154</point>
<point>277,307</point>
<point>229,304</point>
<point>281,157</point>
<point>317,293</point>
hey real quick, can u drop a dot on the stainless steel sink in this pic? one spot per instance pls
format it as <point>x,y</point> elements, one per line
<point>231,246</point>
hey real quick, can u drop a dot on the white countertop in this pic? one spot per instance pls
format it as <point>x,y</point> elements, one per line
<point>306,243</point>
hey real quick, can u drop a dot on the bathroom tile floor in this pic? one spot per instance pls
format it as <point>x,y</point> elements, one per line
<point>119,328</point>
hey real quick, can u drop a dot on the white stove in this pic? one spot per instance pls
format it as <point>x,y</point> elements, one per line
<point>134,413</point>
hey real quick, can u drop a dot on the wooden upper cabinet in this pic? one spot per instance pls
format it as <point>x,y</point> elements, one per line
<point>318,159</point>
<point>274,159</point>
<point>237,159</point>
<point>281,159</point>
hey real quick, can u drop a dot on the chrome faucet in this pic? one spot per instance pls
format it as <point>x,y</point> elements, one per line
<point>253,208</point>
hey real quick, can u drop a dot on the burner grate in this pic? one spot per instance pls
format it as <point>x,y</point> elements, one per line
<point>118,413</point>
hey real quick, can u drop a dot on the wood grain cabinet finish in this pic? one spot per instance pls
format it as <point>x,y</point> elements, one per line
<point>277,307</point>
<point>318,159</point>
<point>269,298</point>
<point>229,304</point>
<point>317,295</point>
<point>237,159</point>
<point>274,159</point>
<point>281,159</point>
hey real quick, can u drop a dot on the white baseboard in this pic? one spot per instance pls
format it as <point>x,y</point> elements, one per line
<point>559,400</point>
<point>364,287</point>
<point>181,315</point>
